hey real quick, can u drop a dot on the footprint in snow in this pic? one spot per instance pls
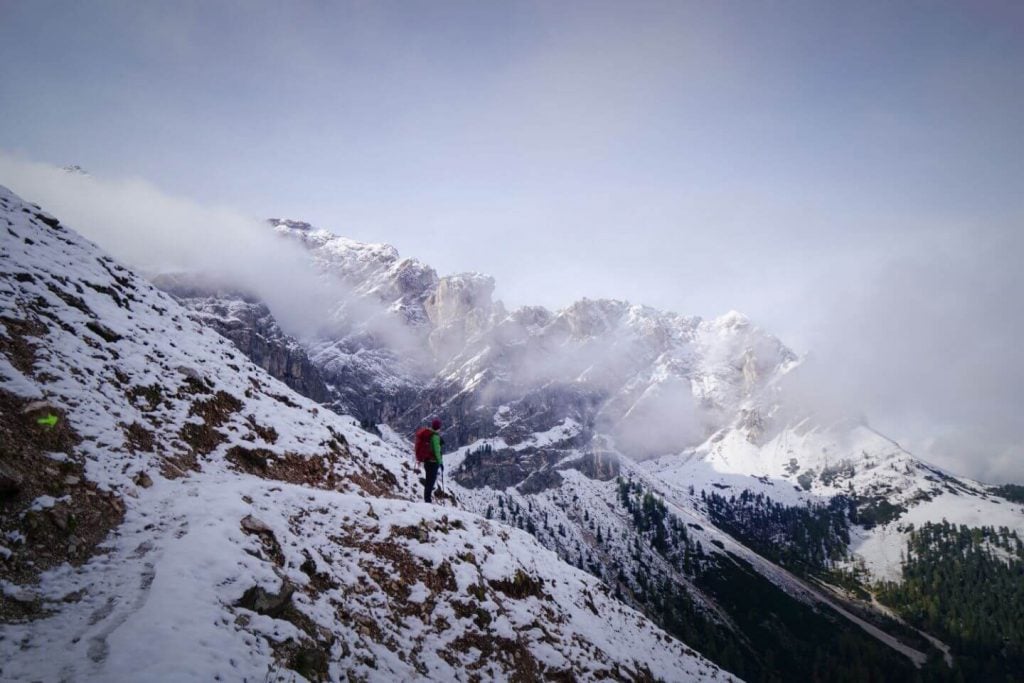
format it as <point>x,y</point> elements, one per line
<point>141,550</point>
<point>103,611</point>
<point>98,648</point>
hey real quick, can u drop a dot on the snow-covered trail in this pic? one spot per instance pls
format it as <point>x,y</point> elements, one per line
<point>135,601</point>
<point>165,603</point>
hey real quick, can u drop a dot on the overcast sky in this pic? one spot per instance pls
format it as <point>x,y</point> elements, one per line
<point>849,174</point>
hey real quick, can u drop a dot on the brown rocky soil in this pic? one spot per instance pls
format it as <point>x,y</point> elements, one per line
<point>73,528</point>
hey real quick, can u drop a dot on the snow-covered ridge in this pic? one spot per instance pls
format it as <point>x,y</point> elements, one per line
<point>466,300</point>
<point>252,534</point>
<point>811,462</point>
<point>110,337</point>
<point>374,271</point>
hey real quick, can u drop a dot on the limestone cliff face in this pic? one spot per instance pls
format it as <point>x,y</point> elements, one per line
<point>407,287</point>
<point>262,341</point>
<point>460,309</point>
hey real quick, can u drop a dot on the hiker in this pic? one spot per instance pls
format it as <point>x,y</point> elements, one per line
<point>428,452</point>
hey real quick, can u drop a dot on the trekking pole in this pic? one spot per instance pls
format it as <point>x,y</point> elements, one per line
<point>444,493</point>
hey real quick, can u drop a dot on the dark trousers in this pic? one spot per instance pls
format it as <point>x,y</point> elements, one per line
<point>431,468</point>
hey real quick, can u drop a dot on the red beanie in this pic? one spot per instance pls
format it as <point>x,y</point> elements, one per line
<point>436,424</point>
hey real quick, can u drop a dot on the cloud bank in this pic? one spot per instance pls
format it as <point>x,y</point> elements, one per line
<point>922,338</point>
<point>926,345</point>
<point>158,234</point>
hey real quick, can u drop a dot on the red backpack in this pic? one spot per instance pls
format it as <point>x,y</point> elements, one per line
<point>424,449</point>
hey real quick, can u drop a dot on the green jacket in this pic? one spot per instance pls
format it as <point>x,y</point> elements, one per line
<point>436,442</point>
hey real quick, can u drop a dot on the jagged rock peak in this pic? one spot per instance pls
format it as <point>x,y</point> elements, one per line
<point>335,247</point>
<point>590,317</point>
<point>596,318</point>
<point>371,269</point>
<point>733,320</point>
<point>456,296</point>
<point>289,224</point>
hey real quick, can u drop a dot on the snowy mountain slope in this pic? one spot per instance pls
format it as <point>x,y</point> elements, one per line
<point>380,590</point>
<point>663,554</point>
<point>179,514</point>
<point>252,328</point>
<point>810,463</point>
<point>839,484</point>
<point>137,377</point>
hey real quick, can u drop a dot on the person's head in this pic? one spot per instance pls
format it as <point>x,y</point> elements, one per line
<point>435,425</point>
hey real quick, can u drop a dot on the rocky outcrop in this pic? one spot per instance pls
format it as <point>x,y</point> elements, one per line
<point>370,382</point>
<point>253,329</point>
<point>336,373</point>
<point>375,272</point>
<point>540,481</point>
<point>507,468</point>
<point>459,309</point>
<point>599,465</point>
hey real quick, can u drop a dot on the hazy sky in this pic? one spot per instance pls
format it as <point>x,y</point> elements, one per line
<point>849,174</point>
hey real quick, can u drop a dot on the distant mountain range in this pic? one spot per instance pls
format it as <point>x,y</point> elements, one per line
<point>663,455</point>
